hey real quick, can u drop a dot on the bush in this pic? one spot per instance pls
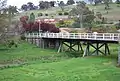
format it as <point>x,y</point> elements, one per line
<point>46,14</point>
<point>40,14</point>
<point>66,13</point>
<point>60,13</point>
<point>12,43</point>
<point>22,37</point>
<point>76,25</point>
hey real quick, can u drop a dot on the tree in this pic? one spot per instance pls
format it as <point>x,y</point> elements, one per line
<point>52,3</point>
<point>44,5</point>
<point>82,14</point>
<point>12,9</point>
<point>61,5</point>
<point>34,27</point>
<point>70,2</point>
<point>97,2</point>
<point>3,21</point>
<point>24,7</point>
<point>106,2</point>
<point>32,18</point>
<point>30,6</point>
<point>2,4</point>
<point>118,1</point>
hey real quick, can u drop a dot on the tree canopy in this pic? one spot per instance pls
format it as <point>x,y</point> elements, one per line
<point>82,14</point>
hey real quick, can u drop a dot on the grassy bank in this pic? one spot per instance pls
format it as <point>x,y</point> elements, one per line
<point>47,65</point>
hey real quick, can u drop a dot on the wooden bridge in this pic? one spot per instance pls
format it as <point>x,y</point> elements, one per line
<point>73,41</point>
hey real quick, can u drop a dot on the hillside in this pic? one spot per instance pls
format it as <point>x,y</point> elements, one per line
<point>113,13</point>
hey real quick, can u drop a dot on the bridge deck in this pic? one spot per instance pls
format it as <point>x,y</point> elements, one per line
<point>108,37</point>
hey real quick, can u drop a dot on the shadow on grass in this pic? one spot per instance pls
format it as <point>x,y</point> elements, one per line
<point>74,54</point>
<point>4,49</point>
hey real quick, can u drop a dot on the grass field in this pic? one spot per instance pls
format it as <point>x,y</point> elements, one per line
<point>47,65</point>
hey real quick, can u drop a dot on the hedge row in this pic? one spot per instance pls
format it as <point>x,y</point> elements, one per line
<point>41,14</point>
<point>60,14</point>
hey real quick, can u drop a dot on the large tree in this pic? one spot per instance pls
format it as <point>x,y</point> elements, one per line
<point>61,5</point>
<point>82,14</point>
<point>3,20</point>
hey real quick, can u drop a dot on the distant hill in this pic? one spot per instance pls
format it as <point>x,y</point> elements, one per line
<point>113,13</point>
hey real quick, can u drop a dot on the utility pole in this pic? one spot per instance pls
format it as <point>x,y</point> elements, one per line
<point>39,26</point>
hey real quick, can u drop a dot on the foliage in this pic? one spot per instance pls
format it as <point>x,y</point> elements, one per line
<point>46,14</point>
<point>61,5</point>
<point>76,25</point>
<point>2,4</point>
<point>32,18</point>
<point>34,26</point>
<point>64,23</point>
<point>117,1</point>
<point>46,4</point>
<point>82,14</point>
<point>106,2</point>
<point>60,13</point>
<point>24,7</point>
<point>61,23</point>
<point>99,15</point>
<point>30,6</point>
<point>40,14</point>
<point>12,43</point>
<point>3,22</point>
<point>66,13</point>
<point>117,25</point>
<point>70,2</point>
<point>42,5</point>
<point>97,2</point>
<point>22,37</point>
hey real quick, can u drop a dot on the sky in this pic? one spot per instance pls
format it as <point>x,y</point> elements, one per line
<point>18,3</point>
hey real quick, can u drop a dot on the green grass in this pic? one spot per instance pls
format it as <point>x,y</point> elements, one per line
<point>25,53</point>
<point>57,67</point>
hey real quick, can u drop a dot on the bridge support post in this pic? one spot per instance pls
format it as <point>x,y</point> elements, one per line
<point>97,49</point>
<point>60,49</point>
<point>70,46</point>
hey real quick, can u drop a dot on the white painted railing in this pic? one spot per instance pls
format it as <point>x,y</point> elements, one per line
<point>91,36</point>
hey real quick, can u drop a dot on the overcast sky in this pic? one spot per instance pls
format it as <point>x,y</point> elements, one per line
<point>18,3</point>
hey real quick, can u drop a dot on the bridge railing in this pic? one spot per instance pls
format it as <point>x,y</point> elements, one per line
<point>98,36</point>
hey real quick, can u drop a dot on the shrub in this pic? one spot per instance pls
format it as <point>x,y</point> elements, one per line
<point>76,25</point>
<point>40,14</point>
<point>12,43</point>
<point>22,37</point>
<point>66,13</point>
<point>46,14</point>
<point>60,13</point>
